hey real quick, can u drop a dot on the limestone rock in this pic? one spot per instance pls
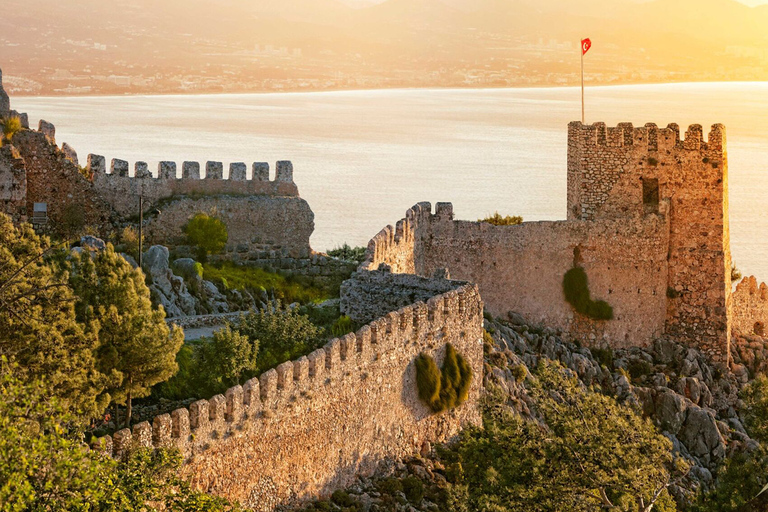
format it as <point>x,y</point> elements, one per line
<point>92,243</point>
<point>170,289</point>
<point>670,410</point>
<point>701,436</point>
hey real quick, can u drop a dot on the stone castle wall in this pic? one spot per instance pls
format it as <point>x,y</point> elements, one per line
<point>608,169</point>
<point>750,308</point>
<point>310,426</point>
<point>521,268</point>
<point>53,178</point>
<point>13,184</point>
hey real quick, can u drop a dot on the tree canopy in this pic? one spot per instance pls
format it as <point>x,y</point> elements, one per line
<point>38,327</point>
<point>207,233</point>
<point>136,349</point>
<point>587,452</point>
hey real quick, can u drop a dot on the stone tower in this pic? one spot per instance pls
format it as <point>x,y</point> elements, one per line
<point>625,171</point>
<point>5,102</point>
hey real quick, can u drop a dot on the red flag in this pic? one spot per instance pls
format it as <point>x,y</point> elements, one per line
<point>586,44</point>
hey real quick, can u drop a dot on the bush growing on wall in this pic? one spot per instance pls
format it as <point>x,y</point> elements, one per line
<point>446,389</point>
<point>207,233</point>
<point>497,220</point>
<point>10,126</point>
<point>576,289</point>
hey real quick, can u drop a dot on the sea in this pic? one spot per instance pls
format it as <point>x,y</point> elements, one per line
<point>361,158</point>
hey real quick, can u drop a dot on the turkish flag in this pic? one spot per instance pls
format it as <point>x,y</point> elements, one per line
<point>586,44</point>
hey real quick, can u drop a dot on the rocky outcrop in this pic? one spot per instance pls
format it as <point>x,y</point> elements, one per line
<point>181,290</point>
<point>170,290</point>
<point>693,401</point>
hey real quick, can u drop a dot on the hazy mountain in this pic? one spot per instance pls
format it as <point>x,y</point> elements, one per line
<point>438,36</point>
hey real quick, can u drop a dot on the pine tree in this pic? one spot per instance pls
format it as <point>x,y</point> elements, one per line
<point>38,329</point>
<point>136,346</point>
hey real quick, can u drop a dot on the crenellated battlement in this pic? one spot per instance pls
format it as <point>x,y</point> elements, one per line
<point>649,136</point>
<point>168,170</point>
<point>312,393</point>
<point>395,245</point>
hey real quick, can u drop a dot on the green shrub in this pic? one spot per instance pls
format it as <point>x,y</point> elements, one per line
<point>427,379</point>
<point>576,290</point>
<point>446,389</point>
<point>342,498</point>
<point>390,485</point>
<point>342,326</point>
<point>652,161</point>
<point>488,342</point>
<point>519,372</point>
<point>129,242</point>
<point>638,368</point>
<point>497,220</point>
<point>255,280</point>
<point>735,273</point>
<point>207,233</point>
<point>11,126</point>
<point>413,489</point>
<point>283,335</point>
<point>347,253</point>
<point>604,356</point>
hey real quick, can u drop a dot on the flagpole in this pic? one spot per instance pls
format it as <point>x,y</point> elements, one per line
<point>581,49</point>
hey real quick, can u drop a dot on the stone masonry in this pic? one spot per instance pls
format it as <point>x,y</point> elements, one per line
<point>647,220</point>
<point>311,425</point>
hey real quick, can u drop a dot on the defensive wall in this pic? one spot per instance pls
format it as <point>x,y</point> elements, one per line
<point>261,215</point>
<point>647,220</point>
<point>520,268</point>
<point>311,425</point>
<point>750,307</point>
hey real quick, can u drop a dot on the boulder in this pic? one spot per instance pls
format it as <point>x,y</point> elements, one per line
<point>701,436</point>
<point>186,268</point>
<point>170,289</point>
<point>670,410</point>
<point>92,243</point>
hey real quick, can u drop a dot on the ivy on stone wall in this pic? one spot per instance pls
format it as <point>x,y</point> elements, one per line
<point>576,289</point>
<point>447,388</point>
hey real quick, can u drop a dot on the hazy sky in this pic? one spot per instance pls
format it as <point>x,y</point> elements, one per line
<point>754,2</point>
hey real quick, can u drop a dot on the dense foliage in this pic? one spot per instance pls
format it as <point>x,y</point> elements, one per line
<point>443,389</point>
<point>38,327</point>
<point>207,233</point>
<point>257,342</point>
<point>498,220</point>
<point>348,253</point>
<point>576,289</point>
<point>587,452</point>
<point>136,347</point>
<point>257,281</point>
<point>44,465</point>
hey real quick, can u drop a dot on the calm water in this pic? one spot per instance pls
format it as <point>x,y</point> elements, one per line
<point>362,158</point>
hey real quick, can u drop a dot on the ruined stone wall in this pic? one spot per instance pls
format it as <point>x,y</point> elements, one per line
<point>13,184</point>
<point>521,269</point>
<point>607,169</point>
<point>261,215</point>
<point>368,295</point>
<point>750,308</point>
<point>53,178</point>
<point>310,426</point>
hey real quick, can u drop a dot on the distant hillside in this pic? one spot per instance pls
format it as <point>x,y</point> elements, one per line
<point>509,41</point>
